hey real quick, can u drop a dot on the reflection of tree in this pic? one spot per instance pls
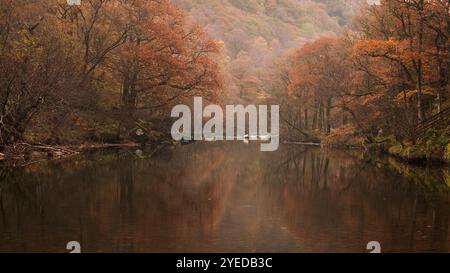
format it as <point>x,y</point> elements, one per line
<point>286,163</point>
<point>198,197</point>
<point>339,202</point>
<point>115,202</point>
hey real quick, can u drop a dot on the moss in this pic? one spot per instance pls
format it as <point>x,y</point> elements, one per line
<point>433,147</point>
<point>396,150</point>
<point>385,139</point>
<point>447,153</point>
<point>409,153</point>
<point>414,153</point>
<point>443,140</point>
<point>446,176</point>
<point>384,143</point>
<point>435,143</point>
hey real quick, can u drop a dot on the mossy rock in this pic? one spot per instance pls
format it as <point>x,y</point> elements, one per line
<point>442,140</point>
<point>413,153</point>
<point>385,143</point>
<point>435,153</point>
<point>410,153</point>
<point>396,150</point>
<point>446,176</point>
<point>435,146</point>
<point>447,153</point>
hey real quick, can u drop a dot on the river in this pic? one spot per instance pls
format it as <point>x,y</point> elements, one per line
<point>225,197</point>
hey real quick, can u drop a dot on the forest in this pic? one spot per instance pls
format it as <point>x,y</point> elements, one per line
<point>70,74</point>
<point>383,83</point>
<point>370,74</point>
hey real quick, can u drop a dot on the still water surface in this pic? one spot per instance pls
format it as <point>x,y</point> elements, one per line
<point>225,197</point>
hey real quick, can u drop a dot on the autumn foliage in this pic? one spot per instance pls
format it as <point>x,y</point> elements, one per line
<point>96,71</point>
<point>105,62</point>
<point>388,73</point>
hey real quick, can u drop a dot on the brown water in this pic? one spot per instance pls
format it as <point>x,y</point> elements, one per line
<point>225,197</point>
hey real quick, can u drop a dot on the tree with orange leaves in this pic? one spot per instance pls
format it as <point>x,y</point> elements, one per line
<point>74,60</point>
<point>410,37</point>
<point>320,80</point>
<point>165,57</point>
<point>389,74</point>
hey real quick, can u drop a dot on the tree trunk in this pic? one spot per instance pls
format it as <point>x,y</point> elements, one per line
<point>315,115</point>
<point>299,119</point>
<point>306,118</point>
<point>321,116</point>
<point>328,116</point>
<point>420,64</point>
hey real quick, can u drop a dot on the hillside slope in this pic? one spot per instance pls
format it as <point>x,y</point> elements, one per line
<point>256,32</point>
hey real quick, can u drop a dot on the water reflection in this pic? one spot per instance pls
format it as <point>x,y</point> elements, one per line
<point>224,197</point>
<point>337,202</point>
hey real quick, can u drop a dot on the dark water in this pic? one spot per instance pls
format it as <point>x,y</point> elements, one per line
<point>225,197</point>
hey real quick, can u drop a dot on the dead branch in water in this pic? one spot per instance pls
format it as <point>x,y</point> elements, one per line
<point>51,148</point>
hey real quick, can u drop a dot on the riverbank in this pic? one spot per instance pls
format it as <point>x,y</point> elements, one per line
<point>25,153</point>
<point>434,150</point>
<point>433,147</point>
